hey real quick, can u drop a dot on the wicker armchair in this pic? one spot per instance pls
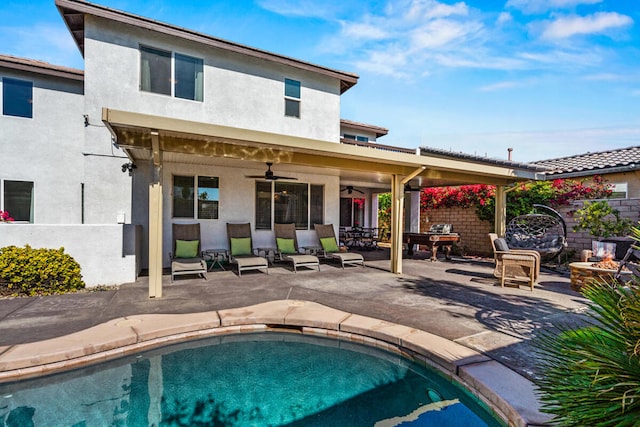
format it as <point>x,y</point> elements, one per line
<point>517,265</point>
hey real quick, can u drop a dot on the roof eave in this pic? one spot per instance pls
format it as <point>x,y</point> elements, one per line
<point>41,68</point>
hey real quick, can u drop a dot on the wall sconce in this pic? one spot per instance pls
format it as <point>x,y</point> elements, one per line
<point>128,167</point>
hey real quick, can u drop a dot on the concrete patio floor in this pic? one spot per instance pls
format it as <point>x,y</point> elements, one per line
<point>457,300</point>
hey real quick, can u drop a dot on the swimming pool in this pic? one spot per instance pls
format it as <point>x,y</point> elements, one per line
<point>269,378</point>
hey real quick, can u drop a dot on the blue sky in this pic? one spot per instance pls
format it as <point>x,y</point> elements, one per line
<point>549,78</point>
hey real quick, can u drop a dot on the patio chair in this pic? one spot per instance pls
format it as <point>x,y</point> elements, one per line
<point>327,236</point>
<point>288,250</point>
<point>514,264</point>
<point>241,250</point>
<point>186,256</point>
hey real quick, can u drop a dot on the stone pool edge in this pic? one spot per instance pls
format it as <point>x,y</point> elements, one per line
<point>510,395</point>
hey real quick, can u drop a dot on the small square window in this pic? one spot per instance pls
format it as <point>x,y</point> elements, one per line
<point>291,108</point>
<point>17,98</point>
<point>291,88</point>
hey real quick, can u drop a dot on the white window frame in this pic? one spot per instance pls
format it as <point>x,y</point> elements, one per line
<point>32,208</point>
<point>620,190</point>
<point>297,100</point>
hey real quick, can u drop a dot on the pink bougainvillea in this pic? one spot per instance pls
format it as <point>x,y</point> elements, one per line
<point>5,217</point>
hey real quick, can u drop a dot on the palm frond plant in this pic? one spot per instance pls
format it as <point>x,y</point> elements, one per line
<point>591,375</point>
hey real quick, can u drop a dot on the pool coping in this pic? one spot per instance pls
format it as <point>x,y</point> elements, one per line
<point>511,396</point>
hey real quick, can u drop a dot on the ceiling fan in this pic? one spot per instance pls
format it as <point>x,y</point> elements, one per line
<point>269,175</point>
<point>349,189</point>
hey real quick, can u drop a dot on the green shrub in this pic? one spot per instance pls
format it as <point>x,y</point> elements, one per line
<point>601,220</point>
<point>591,375</point>
<point>28,271</point>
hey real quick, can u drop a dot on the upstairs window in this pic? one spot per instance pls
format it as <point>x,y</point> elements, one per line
<point>17,98</point>
<point>185,204</point>
<point>155,71</point>
<point>291,98</point>
<point>188,77</point>
<point>358,138</point>
<point>160,68</point>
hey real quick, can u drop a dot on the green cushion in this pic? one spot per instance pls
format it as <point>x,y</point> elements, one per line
<point>329,244</point>
<point>286,246</point>
<point>187,248</point>
<point>241,246</point>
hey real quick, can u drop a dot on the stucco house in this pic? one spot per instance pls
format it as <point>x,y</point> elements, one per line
<point>168,125</point>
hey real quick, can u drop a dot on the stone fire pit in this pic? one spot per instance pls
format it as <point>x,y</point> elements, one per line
<point>584,272</point>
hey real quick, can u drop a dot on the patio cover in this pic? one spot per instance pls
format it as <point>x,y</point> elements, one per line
<point>147,137</point>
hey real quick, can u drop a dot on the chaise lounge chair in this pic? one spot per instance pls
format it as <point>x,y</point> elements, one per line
<point>327,236</point>
<point>514,264</point>
<point>186,257</point>
<point>287,243</point>
<point>241,250</point>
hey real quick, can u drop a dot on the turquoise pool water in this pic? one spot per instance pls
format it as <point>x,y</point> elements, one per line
<point>266,379</point>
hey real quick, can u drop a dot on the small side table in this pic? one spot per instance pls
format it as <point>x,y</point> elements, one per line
<point>216,257</point>
<point>312,250</point>
<point>268,253</point>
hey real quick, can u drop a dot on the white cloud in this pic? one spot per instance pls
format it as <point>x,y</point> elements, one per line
<point>385,63</point>
<point>302,8</point>
<point>598,23</point>
<point>363,31</point>
<point>504,18</point>
<point>439,33</point>
<point>430,9</point>
<point>431,35</point>
<point>541,6</point>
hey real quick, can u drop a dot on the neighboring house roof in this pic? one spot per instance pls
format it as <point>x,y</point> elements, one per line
<point>40,67</point>
<point>611,161</point>
<point>73,12</point>
<point>429,151</point>
<point>379,131</point>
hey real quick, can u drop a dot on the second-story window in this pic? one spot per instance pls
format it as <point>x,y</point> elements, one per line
<point>17,98</point>
<point>160,68</point>
<point>291,98</point>
<point>188,77</point>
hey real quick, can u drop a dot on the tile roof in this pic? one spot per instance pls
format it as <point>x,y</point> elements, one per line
<point>40,67</point>
<point>594,163</point>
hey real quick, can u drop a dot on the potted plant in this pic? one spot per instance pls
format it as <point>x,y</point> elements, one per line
<point>605,223</point>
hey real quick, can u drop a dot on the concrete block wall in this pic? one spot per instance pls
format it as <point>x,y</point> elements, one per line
<point>473,232</point>
<point>628,208</point>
